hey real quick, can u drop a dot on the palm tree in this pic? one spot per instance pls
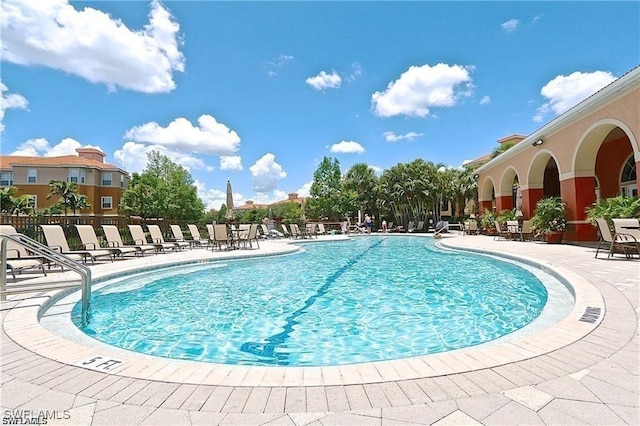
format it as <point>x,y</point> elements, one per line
<point>78,202</point>
<point>22,205</point>
<point>64,190</point>
<point>361,179</point>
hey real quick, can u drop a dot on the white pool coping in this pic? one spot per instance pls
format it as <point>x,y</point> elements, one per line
<point>23,326</point>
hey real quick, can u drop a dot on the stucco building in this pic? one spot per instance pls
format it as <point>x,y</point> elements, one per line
<point>589,152</point>
<point>102,183</point>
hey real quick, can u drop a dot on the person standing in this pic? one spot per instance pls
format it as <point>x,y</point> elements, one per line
<point>367,223</point>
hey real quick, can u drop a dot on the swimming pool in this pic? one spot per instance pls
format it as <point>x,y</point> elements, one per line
<point>373,298</point>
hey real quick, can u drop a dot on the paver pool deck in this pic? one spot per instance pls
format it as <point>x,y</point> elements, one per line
<point>583,370</point>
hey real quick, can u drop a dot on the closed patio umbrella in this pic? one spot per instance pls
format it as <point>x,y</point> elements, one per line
<point>229,201</point>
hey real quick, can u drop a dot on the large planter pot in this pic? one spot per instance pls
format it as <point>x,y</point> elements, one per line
<point>554,237</point>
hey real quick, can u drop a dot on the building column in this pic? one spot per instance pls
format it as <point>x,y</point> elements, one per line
<point>529,199</point>
<point>579,193</point>
<point>504,202</point>
<point>485,205</point>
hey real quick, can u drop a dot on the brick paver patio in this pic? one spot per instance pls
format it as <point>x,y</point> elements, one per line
<point>542,380</point>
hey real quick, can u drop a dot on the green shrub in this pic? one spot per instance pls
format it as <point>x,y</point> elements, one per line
<point>616,207</point>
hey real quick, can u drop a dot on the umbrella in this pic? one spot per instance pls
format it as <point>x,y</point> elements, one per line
<point>229,201</point>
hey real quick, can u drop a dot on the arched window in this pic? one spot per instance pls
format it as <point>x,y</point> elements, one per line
<point>628,180</point>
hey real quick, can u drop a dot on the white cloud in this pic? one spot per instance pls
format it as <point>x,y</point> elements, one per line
<point>40,147</point>
<point>210,137</point>
<point>10,101</point>
<point>281,60</point>
<point>377,170</point>
<point>392,137</point>
<point>266,173</point>
<point>510,26</point>
<point>356,71</point>
<point>564,92</point>
<point>485,100</point>
<point>421,88</point>
<point>324,81</point>
<point>233,163</point>
<point>347,147</point>
<point>269,197</point>
<point>92,45</point>
<point>133,157</point>
<point>304,190</point>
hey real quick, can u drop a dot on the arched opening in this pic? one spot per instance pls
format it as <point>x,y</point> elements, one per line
<point>615,167</point>
<point>508,193</point>
<point>487,196</point>
<point>551,179</point>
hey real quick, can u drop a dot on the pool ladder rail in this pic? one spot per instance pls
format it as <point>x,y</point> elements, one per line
<point>44,252</point>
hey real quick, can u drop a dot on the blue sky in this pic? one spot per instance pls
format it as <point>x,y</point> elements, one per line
<point>259,92</point>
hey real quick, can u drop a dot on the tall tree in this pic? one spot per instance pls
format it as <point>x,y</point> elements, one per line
<point>325,192</point>
<point>7,198</point>
<point>361,179</point>
<point>163,189</point>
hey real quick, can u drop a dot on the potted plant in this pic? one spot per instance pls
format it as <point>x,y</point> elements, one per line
<point>549,219</point>
<point>487,221</point>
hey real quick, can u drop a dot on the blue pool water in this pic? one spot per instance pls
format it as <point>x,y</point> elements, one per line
<point>373,298</point>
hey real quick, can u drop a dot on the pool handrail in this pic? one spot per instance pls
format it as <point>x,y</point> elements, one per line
<point>47,253</point>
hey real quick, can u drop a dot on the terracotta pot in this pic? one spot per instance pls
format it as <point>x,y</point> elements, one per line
<point>554,237</point>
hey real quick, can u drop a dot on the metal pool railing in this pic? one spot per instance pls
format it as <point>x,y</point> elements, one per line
<point>43,252</point>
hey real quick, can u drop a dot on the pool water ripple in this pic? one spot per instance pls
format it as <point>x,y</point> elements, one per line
<point>374,298</point>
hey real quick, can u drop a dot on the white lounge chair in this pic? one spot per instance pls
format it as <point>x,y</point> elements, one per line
<point>18,259</point>
<point>90,242</point>
<point>197,239</point>
<point>157,237</point>
<point>114,239</point>
<point>56,240</point>
<point>139,237</point>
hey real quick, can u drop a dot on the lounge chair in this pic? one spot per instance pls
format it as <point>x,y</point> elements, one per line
<point>114,240</point>
<point>56,240</point>
<point>139,237</point>
<point>178,237</point>
<point>157,237</point>
<point>312,230</point>
<point>410,226</point>
<point>197,239</point>
<point>18,259</point>
<point>90,242</point>
<point>624,243</point>
<point>285,231</point>
<point>296,232</point>
<point>441,228</point>
<point>321,229</point>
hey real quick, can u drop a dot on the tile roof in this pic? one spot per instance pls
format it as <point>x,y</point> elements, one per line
<point>8,161</point>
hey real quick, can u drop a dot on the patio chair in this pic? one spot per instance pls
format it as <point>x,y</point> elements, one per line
<point>250,236</point>
<point>56,240</point>
<point>90,242</point>
<point>312,230</point>
<point>470,227</point>
<point>18,259</point>
<point>197,239</point>
<point>321,229</point>
<point>630,229</point>
<point>178,237</point>
<point>513,229</point>
<point>114,239</point>
<point>157,237</point>
<point>615,241</point>
<point>285,231</point>
<point>221,236</point>
<point>410,226</point>
<point>139,237</point>
<point>500,232</point>
<point>296,233</point>
<point>526,231</point>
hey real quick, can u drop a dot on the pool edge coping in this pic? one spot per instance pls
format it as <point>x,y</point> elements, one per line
<point>23,327</point>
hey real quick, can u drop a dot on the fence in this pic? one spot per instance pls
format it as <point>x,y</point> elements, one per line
<point>30,226</point>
